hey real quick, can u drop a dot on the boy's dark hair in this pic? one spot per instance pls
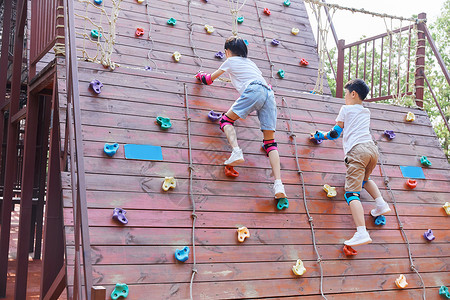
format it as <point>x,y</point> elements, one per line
<point>237,46</point>
<point>359,86</point>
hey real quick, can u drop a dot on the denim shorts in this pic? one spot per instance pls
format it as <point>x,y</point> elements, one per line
<point>259,97</point>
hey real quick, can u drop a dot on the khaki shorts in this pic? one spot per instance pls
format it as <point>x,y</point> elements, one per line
<point>360,162</point>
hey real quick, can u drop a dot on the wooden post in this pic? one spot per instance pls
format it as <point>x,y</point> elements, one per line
<point>98,293</point>
<point>420,60</point>
<point>340,70</point>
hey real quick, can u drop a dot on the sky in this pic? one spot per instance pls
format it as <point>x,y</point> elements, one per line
<point>352,26</point>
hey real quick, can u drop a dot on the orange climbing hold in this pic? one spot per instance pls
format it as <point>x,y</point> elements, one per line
<point>411,183</point>
<point>139,31</point>
<point>231,172</point>
<point>349,251</point>
<point>243,233</point>
<point>401,281</point>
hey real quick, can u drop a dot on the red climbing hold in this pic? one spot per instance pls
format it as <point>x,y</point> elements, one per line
<point>303,62</point>
<point>231,172</point>
<point>267,11</point>
<point>411,183</point>
<point>349,251</point>
<point>139,31</point>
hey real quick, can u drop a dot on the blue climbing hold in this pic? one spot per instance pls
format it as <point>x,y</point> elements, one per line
<point>110,150</point>
<point>246,42</point>
<point>98,2</point>
<point>183,254</point>
<point>443,290</point>
<point>282,203</point>
<point>380,220</point>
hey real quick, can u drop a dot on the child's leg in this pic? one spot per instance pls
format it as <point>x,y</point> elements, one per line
<point>357,212</point>
<point>274,156</point>
<point>382,207</point>
<point>372,189</point>
<point>229,129</point>
<point>227,121</point>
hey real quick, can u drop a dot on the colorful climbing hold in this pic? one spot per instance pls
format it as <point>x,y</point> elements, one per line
<point>213,116</point>
<point>349,251</point>
<point>119,215</point>
<point>110,149</point>
<point>303,62</point>
<point>267,11</point>
<point>411,183</point>
<point>390,134</point>
<point>98,2</point>
<point>140,1</point>
<point>295,31</point>
<point>243,233</point>
<point>169,182</point>
<point>281,73</point>
<point>246,42</point>
<point>240,19</point>
<point>313,139</point>
<point>380,220</point>
<point>219,55</point>
<point>148,68</point>
<point>172,21</point>
<point>446,207</point>
<point>275,42</point>
<point>209,29</point>
<point>401,281</point>
<point>299,269</point>
<point>183,254</point>
<point>163,122</point>
<point>287,2</point>
<point>176,56</point>
<point>429,235</point>
<point>424,161</point>
<point>139,31</point>
<point>443,291</point>
<point>282,203</point>
<point>121,290</point>
<point>95,34</point>
<point>410,116</point>
<point>331,190</point>
<point>96,86</point>
<point>231,172</point>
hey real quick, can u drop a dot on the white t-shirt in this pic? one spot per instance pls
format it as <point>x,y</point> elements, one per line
<point>356,120</point>
<point>242,71</point>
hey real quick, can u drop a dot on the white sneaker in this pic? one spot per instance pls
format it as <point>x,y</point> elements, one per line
<point>278,190</point>
<point>380,210</point>
<point>359,239</point>
<point>236,158</point>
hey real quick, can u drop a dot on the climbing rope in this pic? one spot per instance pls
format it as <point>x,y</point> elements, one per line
<point>149,37</point>
<point>234,10</point>
<point>266,45</point>
<point>400,224</point>
<point>190,26</point>
<point>105,44</point>
<point>310,219</point>
<point>191,193</point>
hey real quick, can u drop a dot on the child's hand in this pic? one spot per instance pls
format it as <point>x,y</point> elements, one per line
<point>204,77</point>
<point>319,136</point>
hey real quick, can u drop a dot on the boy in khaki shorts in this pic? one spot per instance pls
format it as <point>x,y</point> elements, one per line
<point>361,157</point>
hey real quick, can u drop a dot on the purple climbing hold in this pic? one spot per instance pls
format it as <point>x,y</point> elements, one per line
<point>220,55</point>
<point>119,215</point>
<point>213,116</point>
<point>96,86</point>
<point>429,235</point>
<point>390,134</point>
<point>148,68</point>
<point>275,42</point>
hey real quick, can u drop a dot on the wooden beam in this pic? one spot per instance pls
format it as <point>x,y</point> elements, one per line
<point>57,286</point>
<point>98,293</point>
<point>19,115</point>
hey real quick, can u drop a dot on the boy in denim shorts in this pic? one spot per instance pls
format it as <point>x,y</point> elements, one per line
<point>361,157</point>
<point>256,95</point>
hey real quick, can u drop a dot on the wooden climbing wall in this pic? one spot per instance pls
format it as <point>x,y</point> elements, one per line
<point>141,253</point>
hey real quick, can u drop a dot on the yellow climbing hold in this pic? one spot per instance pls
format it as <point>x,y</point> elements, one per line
<point>140,1</point>
<point>177,56</point>
<point>410,116</point>
<point>401,281</point>
<point>243,233</point>
<point>446,206</point>
<point>209,28</point>
<point>295,31</point>
<point>169,182</point>
<point>331,190</point>
<point>299,269</point>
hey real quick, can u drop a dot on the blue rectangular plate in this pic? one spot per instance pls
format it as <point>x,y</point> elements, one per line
<point>412,172</point>
<point>143,152</point>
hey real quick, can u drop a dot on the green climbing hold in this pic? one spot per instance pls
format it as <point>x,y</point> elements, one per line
<point>282,203</point>
<point>164,122</point>
<point>95,34</point>
<point>240,20</point>
<point>443,290</point>
<point>287,2</point>
<point>281,73</point>
<point>121,290</point>
<point>172,21</point>
<point>424,161</point>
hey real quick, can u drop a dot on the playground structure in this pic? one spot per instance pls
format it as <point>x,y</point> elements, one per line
<point>117,87</point>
